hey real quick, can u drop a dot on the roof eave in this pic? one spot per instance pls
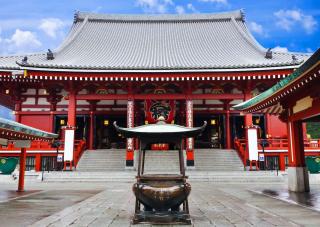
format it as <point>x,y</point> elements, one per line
<point>193,70</point>
<point>309,65</point>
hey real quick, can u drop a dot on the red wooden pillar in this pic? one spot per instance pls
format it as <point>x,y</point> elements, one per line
<point>130,141</point>
<point>228,134</point>
<point>71,125</point>
<point>22,167</point>
<point>17,109</point>
<point>268,124</point>
<point>227,125</point>
<point>247,117</point>
<point>93,105</point>
<point>282,164</point>
<point>72,109</point>
<point>298,178</point>
<point>247,120</point>
<point>91,130</point>
<point>190,142</point>
<point>38,162</point>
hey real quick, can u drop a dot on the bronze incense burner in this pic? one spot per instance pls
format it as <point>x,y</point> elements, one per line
<point>161,198</point>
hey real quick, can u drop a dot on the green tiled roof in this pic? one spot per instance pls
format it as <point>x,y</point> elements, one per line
<point>281,84</point>
<point>27,130</point>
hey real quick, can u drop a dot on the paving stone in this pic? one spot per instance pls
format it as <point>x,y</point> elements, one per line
<point>211,204</point>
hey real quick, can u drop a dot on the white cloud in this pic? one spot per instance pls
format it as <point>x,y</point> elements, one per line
<point>280,49</point>
<point>287,19</point>
<point>52,26</point>
<point>21,42</point>
<point>215,1</point>
<point>192,8</point>
<point>180,10</point>
<point>256,28</point>
<point>155,6</point>
<point>309,50</point>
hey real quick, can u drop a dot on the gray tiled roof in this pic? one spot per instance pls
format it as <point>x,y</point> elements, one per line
<point>160,42</point>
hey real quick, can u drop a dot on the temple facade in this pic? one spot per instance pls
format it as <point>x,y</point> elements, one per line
<point>135,68</point>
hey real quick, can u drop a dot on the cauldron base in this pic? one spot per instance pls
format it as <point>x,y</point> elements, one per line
<point>165,217</point>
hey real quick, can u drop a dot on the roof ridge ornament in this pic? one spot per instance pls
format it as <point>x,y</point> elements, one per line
<point>269,54</point>
<point>76,16</point>
<point>243,15</point>
<point>294,59</point>
<point>50,55</point>
<point>24,60</point>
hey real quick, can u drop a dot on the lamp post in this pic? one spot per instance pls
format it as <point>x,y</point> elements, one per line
<point>56,144</point>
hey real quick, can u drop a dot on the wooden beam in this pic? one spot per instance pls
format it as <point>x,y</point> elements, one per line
<point>158,96</point>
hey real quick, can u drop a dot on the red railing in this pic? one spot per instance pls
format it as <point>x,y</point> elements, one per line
<point>79,147</point>
<point>37,146</point>
<point>273,145</point>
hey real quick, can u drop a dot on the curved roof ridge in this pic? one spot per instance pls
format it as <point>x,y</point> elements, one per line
<point>71,36</point>
<point>237,14</point>
<point>255,45</point>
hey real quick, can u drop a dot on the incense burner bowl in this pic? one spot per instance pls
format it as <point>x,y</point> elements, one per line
<point>161,193</point>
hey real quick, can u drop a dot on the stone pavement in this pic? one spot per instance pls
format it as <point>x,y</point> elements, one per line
<point>211,204</point>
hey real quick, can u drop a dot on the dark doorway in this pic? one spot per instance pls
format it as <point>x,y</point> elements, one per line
<point>106,136</point>
<point>237,127</point>
<point>259,120</point>
<point>82,126</point>
<point>213,136</point>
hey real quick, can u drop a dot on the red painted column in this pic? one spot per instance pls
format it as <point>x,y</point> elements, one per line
<point>17,109</point>
<point>72,109</point>
<point>71,125</point>
<point>295,144</point>
<point>228,134</point>
<point>298,178</point>
<point>22,167</point>
<point>91,130</point>
<point>227,125</point>
<point>189,141</point>
<point>268,124</point>
<point>38,163</point>
<point>282,164</point>
<point>247,117</point>
<point>247,120</point>
<point>53,107</point>
<point>130,141</point>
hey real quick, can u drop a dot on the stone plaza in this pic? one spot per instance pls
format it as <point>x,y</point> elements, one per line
<point>111,203</point>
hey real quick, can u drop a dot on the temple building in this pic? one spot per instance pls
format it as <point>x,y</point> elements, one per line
<point>135,68</point>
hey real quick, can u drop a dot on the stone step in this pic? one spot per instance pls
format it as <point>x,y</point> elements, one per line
<point>205,159</point>
<point>129,176</point>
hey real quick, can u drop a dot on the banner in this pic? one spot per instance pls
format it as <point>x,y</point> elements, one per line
<point>253,144</point>
<point>68,145</point>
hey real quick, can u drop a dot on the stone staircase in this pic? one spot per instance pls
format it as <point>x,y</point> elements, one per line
<point>217,160</point>
<point>102,160</point>
<point>160,161</point>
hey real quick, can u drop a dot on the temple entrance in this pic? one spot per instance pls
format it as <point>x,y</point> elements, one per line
<point>105,135</point>
<point>82,122</point>
<point>213,136</point>
<point>259,120</point>
<point>237,127</point>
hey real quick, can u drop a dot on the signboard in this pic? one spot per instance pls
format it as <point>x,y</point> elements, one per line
<point>3,142</point>
<point>22,143</point>
<point>253,144</point>
<point>59,158</point>
<point>156,108</point>
<point>68,145</point>
<point>261,157</point>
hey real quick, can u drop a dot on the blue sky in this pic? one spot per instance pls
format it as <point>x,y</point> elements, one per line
<point>36,25</point>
